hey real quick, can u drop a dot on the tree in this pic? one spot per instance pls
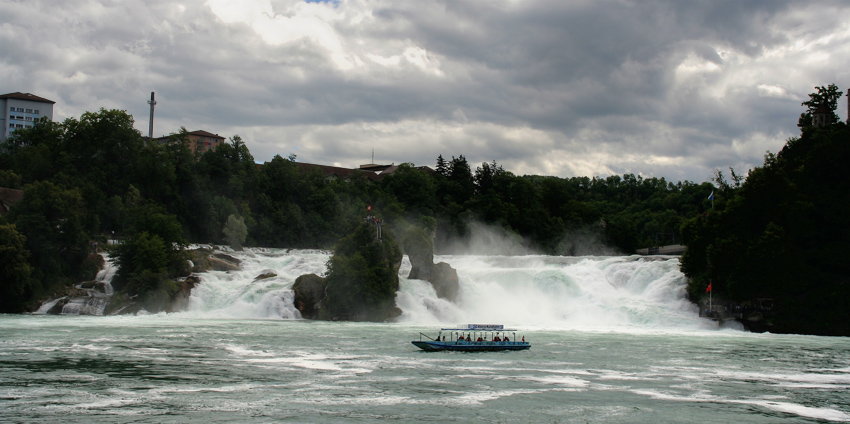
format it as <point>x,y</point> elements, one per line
<point>485,176</point>
<point>412,187</point>
<point>825,96</point>
<point>51,218</point>
<point>362,277</point>
<point>15,271</point>
<point>442,166</point>
<point>154,242</point>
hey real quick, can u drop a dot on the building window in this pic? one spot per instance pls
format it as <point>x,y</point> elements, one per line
<point>19,125</point>
<point>35,112</point>
<point>11,125</point>
<point>20,109</point>
<point>11,109</point>
<point>29,110</point>
<point>29,118</point>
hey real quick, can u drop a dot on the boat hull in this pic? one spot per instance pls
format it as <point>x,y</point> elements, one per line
<point>460,346</point>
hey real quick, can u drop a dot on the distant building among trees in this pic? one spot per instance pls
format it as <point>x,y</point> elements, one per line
<point>199,142</point>
<point>21,110</point>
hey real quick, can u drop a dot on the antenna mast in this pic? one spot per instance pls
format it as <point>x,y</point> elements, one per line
<point>151,102</point>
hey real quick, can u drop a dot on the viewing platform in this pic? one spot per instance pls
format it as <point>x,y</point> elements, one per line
<point>673,250</point>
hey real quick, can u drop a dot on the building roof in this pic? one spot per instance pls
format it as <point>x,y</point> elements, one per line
<point>335,170</point>
<point>374,167</point>
<point>8,197</point>
<point>26,96</point>
<point>202,133</point>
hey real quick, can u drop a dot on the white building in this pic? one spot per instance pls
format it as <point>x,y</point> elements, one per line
<point>21,110</point>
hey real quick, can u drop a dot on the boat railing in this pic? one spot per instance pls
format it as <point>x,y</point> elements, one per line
<point>426,336</point>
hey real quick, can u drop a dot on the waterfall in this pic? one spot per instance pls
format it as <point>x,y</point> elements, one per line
<point>239,294</point>
<point>98,294</point>
<point>589,292</point>
<point>105,275</point>
<point>542,291</point>
<point>92,305</point>
<point>556,291</point>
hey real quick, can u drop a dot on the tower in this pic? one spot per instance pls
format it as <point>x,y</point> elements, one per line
<point>151,102</point>
<point>822,116</point>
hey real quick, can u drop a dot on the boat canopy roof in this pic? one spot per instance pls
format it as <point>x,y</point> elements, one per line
<point>478,327</point>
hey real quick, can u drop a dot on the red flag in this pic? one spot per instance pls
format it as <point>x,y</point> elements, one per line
<point>708,289</point>
<point>369,208</point>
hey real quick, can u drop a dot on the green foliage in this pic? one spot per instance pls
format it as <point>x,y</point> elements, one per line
<point>52,220</point>
<point>154,290</point>
<point>825,96</point>
<point>15,271</point>
<point>9,179</point>
<point>782,235</point>
<point>413,188</point>
<point>144,252</point>
<point>362,277</point>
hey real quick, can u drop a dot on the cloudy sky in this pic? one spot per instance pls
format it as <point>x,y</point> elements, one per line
<point>667,89</point>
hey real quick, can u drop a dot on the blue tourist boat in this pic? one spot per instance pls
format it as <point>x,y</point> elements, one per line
<point>473,338</point>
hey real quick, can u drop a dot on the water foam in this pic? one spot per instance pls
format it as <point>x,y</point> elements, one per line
<point>558,292</point>
<point>239,294</point>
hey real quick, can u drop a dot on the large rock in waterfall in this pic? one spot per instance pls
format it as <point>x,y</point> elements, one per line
<point>361,283</point>
<point>309,292</point>
<point>420,249</point>
<point>204,260</point>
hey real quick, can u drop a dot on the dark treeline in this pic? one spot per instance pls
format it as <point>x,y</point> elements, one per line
<point>782,235</point>
<point>95,178</point>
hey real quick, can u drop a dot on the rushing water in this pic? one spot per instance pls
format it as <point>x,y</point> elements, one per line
<point>613,340</point>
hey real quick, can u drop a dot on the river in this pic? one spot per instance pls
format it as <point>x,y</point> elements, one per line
<point>613,341</point>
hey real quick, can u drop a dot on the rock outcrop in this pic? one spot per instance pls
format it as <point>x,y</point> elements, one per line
<point>222,262</point>
<point>441,276</point>
<point>361,283</point>
<point>180,301</point>
<point>204,260</point>
<point>309,292</point>
<point>420,250</point>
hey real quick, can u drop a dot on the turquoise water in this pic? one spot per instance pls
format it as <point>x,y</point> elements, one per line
<point>180,368</point>
<point>613,341</point>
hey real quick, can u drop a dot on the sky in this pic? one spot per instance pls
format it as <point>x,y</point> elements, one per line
<point>668,89</point>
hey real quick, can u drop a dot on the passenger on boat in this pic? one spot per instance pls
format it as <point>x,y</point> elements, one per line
<point>480,339</point>
<point>497,339</point>
<point>507,339</point>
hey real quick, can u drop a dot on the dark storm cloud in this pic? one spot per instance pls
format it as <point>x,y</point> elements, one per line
<point>660,88</point>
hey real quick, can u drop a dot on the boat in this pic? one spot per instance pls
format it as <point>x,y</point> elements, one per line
<point>472,338</point>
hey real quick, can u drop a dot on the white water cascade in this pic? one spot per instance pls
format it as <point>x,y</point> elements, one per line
<point>105,275</point>
<point>601,293</point>
<point>239,294</point>
<point>593,292</point>
<point>97,294</point>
